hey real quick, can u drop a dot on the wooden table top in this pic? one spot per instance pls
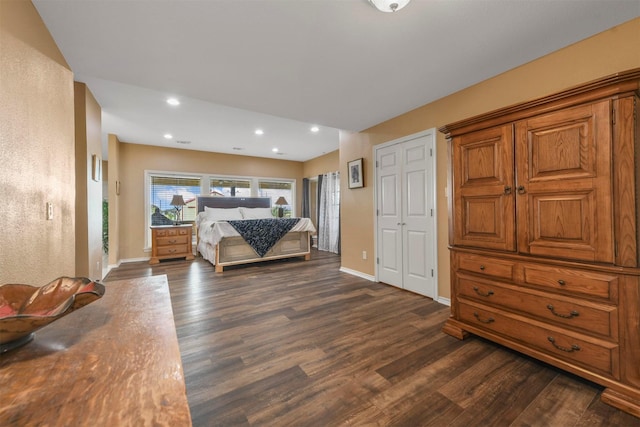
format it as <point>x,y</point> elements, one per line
<point>115,362</point>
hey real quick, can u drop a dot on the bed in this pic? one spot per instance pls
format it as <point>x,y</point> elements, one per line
<point>222,245</point>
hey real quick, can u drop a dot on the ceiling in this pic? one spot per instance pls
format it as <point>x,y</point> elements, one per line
<point>284,65</point>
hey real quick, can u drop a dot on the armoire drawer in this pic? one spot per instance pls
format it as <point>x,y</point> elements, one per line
<point>563,311</point>
<point>486,266</point>
<point>572,281</point>
<point>591,353</point>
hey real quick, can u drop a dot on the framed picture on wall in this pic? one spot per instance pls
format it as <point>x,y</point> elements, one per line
<point>356,179</point>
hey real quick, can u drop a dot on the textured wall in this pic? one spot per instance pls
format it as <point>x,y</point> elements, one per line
<point>36,151</point>
<point>88,125</point>
<point>611,51</point>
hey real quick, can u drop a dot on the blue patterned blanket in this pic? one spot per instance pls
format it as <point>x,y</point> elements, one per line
<point>262,234</point>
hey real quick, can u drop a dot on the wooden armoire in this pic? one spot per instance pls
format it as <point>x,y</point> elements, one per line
<point>544,231</point>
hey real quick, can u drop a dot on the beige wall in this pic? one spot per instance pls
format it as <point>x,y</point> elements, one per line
<point>88,125</point>
<point>134,159</point>
<point>36,150</point>
<point>113,197</point>
<point>614,50</point>
<point>329,162</point>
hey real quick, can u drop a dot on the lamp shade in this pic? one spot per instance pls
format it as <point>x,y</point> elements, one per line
<point>389,5</point>
<point>177,200</point>
<point>281,201</point>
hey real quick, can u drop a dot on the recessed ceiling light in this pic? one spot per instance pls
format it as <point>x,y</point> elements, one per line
<point>238,148</point>
<point>168,136</point>
<point>315,129</point>
<point>275,150</point>
<point>259,132</point>
<point>173,101</point>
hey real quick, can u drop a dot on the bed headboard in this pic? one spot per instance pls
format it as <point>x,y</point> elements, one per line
<point>233,202</point>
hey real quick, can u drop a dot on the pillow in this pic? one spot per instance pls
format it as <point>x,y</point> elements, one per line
<point>256,213</point>
<point>221,214</point>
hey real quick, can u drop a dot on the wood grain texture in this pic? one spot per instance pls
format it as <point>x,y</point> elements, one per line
<point>116,362</point>
<point>294,343</point>
<point>576,159</point>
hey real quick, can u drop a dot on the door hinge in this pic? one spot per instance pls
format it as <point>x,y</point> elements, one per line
<point>377,260</point>
<point>377,212</point>
<point>377,163</point>
<point>431,212</point>
<point>430,152</point>
<point>432,272</point>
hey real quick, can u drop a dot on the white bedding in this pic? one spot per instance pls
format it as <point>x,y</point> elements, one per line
<point>210,232</point>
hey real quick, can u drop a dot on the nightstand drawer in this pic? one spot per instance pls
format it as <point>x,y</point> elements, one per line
<point>170,250</point>
<point>172,240</point>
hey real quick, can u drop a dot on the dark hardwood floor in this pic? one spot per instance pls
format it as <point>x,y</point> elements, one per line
<point>295,343</point>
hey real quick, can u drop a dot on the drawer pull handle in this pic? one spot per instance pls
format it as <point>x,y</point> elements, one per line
<point>561,282</point>
<point>482,267</point>
<point>573,348</point>
<point>172,241</point>
<point>172,250</point>
<point>488,294</point>
<point>489,320</point>
<point>571,314</point>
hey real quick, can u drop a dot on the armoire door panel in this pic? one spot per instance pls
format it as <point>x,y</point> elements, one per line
<point>564,184</point>
<point>562,152</point>
<point>562,226</point>
<point>484,212</point>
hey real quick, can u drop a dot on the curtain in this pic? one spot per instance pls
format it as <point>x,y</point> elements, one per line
<point>329,213</point>
<point>306,202</point>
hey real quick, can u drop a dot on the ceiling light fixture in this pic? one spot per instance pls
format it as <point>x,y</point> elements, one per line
<point>389,5</point>
<point>173,101</point>
<point>315,129</point>
<point>168,136</point>
<point>259,132</point>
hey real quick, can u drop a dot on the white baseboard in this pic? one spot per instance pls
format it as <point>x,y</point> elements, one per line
<point>134,260</point>
<point>358,273</point>
<point>443,300</point>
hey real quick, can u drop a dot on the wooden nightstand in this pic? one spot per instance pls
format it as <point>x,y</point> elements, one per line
<point>170,241</point>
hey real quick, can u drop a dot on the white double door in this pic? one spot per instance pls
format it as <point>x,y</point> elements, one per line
<point>405,214</point>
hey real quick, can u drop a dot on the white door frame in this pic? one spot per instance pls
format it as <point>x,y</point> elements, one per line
<point>426,133</point>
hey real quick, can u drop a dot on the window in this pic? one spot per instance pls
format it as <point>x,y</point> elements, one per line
<point>162,188</point>
<point>275,190</point>
<point>230,187</point>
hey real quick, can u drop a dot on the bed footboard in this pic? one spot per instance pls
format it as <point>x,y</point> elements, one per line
<point>234,250</point>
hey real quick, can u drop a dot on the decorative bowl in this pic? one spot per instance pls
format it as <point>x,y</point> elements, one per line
<point>25,308</point>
